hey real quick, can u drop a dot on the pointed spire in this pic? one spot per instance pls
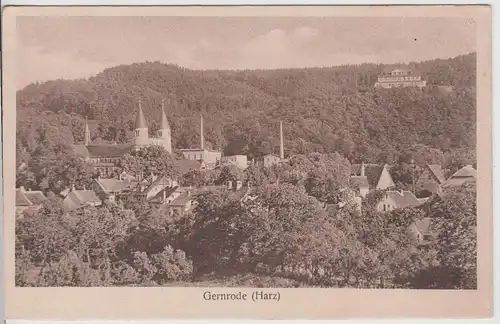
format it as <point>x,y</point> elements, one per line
<point>86,136</point>
<point>202,137</point>
<point>282,149</point>
<point>140,121</point>
<point>164,121</point>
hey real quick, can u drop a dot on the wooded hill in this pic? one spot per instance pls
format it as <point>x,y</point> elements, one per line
<point>322,109</point>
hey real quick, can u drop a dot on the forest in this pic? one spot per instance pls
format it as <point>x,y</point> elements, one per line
<point>323,110</point>
<point>332,117</point>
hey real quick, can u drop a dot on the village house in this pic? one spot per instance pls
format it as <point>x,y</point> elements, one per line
<point>80,198</point>
<point>27,200</point>
<point>377,176</point>
<point>238,160</point>
<point>186,166</point>
<point>395,78</point>
<point>465,174</point>
<point>111,189</point>
<point>272,159</point>
<point>210,158</point>
<point>420,231</point>
<point>159,185</point>
<point>181,199</point>
<point>431,179</point>
<point>397,199</point>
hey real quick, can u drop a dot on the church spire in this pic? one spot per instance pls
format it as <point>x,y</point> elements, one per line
<point>140,121</point>
<point>164,121</point>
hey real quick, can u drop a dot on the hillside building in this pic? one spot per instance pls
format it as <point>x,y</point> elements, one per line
<point>210,158</point>
<point>271,159</point>
<point>105,157</point>
<point>399,78</point>
<point>141,132</point>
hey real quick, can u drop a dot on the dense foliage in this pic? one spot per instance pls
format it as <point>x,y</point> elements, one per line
<point>293,232</point>
<point>322,109</point>
<point>286,230</point>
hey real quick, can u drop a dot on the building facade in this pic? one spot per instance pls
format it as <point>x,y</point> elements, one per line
<point>399,78</point>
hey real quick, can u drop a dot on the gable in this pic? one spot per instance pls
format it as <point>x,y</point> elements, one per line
<point>385,180</point>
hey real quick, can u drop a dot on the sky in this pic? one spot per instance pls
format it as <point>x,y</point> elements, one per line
<point>78,47</point>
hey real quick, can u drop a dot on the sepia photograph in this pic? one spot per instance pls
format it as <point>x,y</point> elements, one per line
<point>248,151</point>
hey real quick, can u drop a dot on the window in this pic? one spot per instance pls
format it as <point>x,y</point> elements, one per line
<point>385,207</point>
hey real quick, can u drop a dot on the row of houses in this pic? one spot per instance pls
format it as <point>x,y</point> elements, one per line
<point>366,178</point>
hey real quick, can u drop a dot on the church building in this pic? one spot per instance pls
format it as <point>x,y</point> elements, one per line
<point>105,157</point>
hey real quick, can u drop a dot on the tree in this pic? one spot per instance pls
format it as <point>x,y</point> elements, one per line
<point>149,161</point>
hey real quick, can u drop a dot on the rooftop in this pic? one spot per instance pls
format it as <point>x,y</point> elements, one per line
<point>403,198</point>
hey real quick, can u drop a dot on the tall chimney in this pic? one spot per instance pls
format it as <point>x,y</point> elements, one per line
<point>362,169</point>
<point>282,150</point>
<point>202,138</point>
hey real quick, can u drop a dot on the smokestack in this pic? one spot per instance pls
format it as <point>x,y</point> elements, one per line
<point>282,150</point>
<point>202,138</point>
<point>362,169</point>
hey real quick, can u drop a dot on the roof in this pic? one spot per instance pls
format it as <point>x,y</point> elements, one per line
<point>21,199</point>
<point>29,198</point>
<point>81,150</point>
<point>87,196</point>
<point>360,182</point>
<point>108,150</point>
<point>437,172</point>
<point>403,198</point>
<point>78,198</point>
<point>36,197</point>
<point>140,121</point>
<point>372,173</point>
<point>391,68</point>
<point>431,186</point>
<point>111,184</point>
<point>423,225</point>
<point>466,173</point>
<point>186,165</point>
<point>182,200</point>
<point>158,198</point>
<point>164,121</point>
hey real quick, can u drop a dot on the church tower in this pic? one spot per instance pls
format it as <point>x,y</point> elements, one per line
<point>141,137</point>
<point>164,132</point>
<point>86,135</point>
